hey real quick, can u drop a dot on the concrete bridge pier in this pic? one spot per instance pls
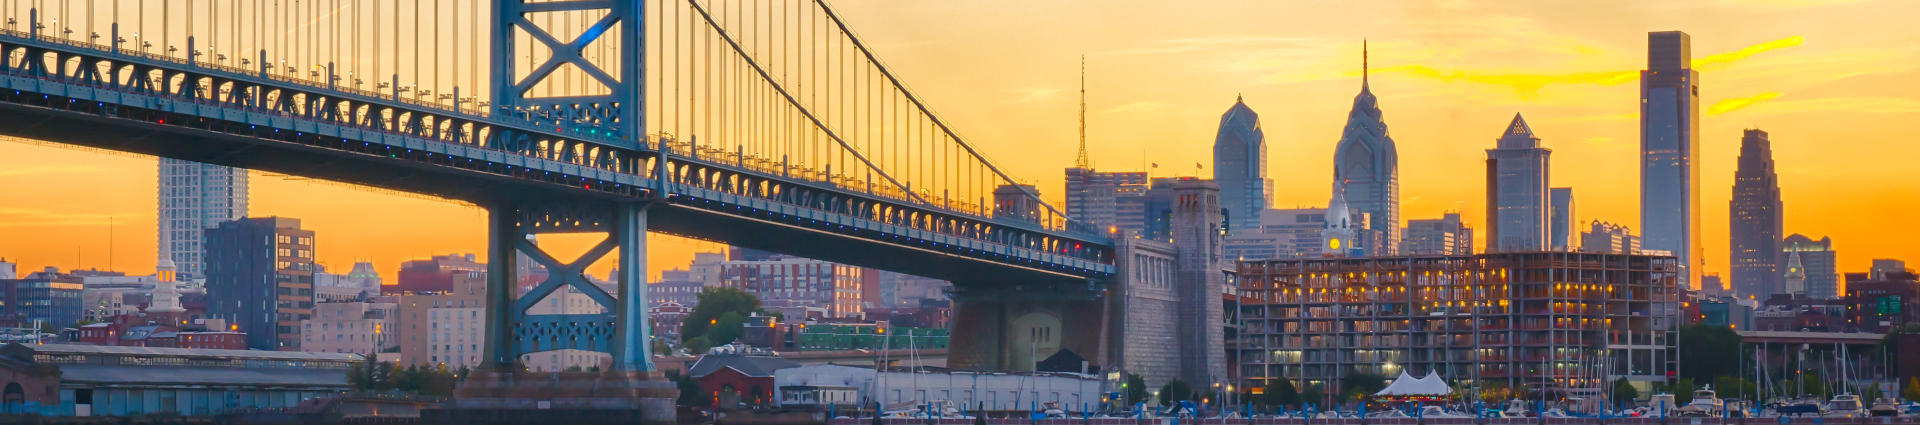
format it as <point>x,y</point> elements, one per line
<point>1013,327</point>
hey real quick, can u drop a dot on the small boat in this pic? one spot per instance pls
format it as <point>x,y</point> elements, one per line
<point>1884,408</point>
<point>1661,404</point>
<point>1845,406</point>
<point>1516,408</point>
<point>1705,403</point>
<point>1052,410</point>
<point>1437,412</point>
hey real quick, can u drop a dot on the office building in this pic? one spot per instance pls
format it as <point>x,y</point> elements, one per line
<point>47,297</point>
<point>441,328</point>
<point>357,327</point>
<point>1756,221</point>
<point>1881,300</point>
<point>260,279</point>
<point>1240,166</point>
<point>1518,208</point>
<point>196,197</point>
<point>1607,238</point>
<point>1368,164</point>
<point>1093,196</point>
<point>360,283</point>
<point>1147,212</point>
<point>1538,318</point>
<point>904,290</point>
<point>438,273</point>
<point>1447,235</point>
<point>675,286</point>
<point>1560,223</point>
<point>1669,148</point>
<point>8,270</point>
<point>1819,266</point>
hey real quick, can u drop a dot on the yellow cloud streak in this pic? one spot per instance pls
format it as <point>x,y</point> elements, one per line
<point>1530,84</point>
<point>1717,61</point>
<point>1737,103</point>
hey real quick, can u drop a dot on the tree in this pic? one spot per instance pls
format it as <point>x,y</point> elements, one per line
<point>1134,390</point>
<point>698,346</point>
<point>713,303</point>
<point>1913,389</point>
<point>1282,393</point>
<point>1683,391</point>
<point>1175,390</point>
<point>1624,391</point>
<point>1706,350</point>
<point>1357,386</point>
<point>726,329</point>
<point>690,393</point>
<point>1313,395</point>
<point>660,347</point>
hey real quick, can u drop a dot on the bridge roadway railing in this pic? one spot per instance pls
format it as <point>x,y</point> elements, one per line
<point>335,118</point>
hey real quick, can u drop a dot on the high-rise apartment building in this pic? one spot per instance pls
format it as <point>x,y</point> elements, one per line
<point>1146,212</point>
<point>1518,209</point>
<point>1756,221</point>
<point>1561,220</point>
<point>1819,262</point>
<point>798,281</point>
<point>1240,167</point>
<point>1488,317</point>
<point>260,278</point>
<point>1368,164</point>
<point>196,197</point>
<point>1447,235</point>
<point>1669,148</point>
<point>1093,197</point>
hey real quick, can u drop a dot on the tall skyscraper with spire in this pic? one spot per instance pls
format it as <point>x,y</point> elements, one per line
<point>1093,197</point>
<point>1669,144</point>
<point>1240,166</point>
<point>195,197</point>
<point>1756,222</point>
<point>1518,211</point>
<point>1368,165</point>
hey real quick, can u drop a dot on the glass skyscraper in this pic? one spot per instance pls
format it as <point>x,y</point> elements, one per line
<point>1240,167</point>
<point>1756,222</point>
<point>1368,164</point>
<point>1517,206</point>
<point>195,197</point>
<point>1669,143</point>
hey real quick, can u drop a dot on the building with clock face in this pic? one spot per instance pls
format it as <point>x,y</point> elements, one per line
<point>1347,233</point>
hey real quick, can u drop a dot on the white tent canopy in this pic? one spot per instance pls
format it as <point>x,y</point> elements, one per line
<point>1408,386</point>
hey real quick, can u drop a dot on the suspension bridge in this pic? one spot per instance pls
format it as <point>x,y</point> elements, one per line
<point>762,124</point>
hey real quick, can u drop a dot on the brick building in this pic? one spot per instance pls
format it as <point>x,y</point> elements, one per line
<point>1879,301</point>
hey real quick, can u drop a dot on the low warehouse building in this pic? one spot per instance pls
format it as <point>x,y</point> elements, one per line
<point>109,380</point>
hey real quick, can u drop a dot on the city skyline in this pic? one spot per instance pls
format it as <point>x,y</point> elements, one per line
<point>1440,115</point>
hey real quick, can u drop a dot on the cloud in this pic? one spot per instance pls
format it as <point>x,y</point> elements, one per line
<point>50,170</point>
<point>1713,62</point>
<point>1598,140</point>
<point>27,217</point>
<point>1141,106</point>
<point>1873,105</point>
<point>1529,84</point>
<point>1738,103</point>
<point>1033,95</point>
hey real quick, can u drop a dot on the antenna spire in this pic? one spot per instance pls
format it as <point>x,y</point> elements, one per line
<point>1082,161</point>
<point>1363,62</point>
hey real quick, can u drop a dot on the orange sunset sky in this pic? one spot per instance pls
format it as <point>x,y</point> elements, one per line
<point>1836,83</point>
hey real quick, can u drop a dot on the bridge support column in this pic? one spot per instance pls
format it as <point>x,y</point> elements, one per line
<point>631,391</point>
<point>1015,327</point>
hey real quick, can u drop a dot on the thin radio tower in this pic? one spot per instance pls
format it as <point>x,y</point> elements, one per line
<point>1082,162</point>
